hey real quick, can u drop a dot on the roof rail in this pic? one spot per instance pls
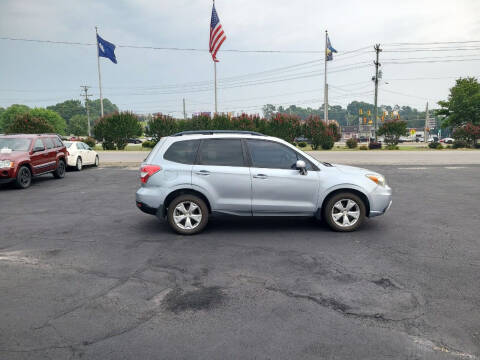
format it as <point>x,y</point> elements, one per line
<point>211,132</point>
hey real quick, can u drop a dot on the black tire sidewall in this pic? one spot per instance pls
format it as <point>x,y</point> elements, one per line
<point>58,175</point>
<point>194,199</point>
<point>327,212</point>
<point>18,183</point>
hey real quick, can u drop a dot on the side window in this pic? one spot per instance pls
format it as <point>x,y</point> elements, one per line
<point>80,146</point>
<point>183,152</point>
<point>267,154</point>
<point>221,152</point>
<point>57,142</point>
<point>38,144</point>
<point>48,143</point>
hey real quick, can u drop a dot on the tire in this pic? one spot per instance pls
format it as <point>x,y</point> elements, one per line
<point>59,172</point>
<point>97,161</point>
<point>344,212</point>
<point>181,225</point>
<point>79,164</point>
<point>24,178</point>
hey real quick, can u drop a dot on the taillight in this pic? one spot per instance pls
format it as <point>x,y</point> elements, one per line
<point>68,154</point>
<point>148,170</point>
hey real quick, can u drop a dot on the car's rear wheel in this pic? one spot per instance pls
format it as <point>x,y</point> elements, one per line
<point>187,214</point>
<point>79,164</point>
<point>59,172</point>
<point>24,178</point>
<point>344,212</point>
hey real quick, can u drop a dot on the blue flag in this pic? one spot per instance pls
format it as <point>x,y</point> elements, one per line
<point>106,49</point>
<point>329,50</point>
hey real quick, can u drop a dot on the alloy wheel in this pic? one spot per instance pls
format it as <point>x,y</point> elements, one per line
<point>345,212</point>
<point>187,215</point>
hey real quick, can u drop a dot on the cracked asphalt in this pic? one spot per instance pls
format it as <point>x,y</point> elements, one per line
<point>86,275</point>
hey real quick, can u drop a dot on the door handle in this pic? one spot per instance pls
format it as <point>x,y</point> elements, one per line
<point>203,172</point>
<point>260,176</point>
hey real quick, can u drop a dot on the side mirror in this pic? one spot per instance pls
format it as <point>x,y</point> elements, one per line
<point>300,165</point>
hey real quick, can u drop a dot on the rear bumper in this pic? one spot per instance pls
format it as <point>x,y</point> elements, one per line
<point>149,210</point>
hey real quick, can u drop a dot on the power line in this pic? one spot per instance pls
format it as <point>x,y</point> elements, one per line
<point>176,48</point>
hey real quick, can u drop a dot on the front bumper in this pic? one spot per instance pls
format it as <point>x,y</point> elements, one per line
<point>380,200</point>
<point>6,175</point>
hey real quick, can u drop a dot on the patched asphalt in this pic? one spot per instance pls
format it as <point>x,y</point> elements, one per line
<point>85,275</point>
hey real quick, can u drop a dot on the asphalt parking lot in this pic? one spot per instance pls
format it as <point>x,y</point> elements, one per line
<point>85,275</point>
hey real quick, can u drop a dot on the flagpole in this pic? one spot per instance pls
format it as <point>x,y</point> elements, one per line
<point>325,87</point>
<point>99,75</point>
<point>215,75</point>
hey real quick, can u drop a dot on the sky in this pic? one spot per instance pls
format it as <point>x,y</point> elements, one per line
<point>414,70</point>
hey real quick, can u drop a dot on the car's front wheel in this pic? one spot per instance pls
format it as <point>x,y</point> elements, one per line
<point>344,212</point>
<point>187,214</point>
<point>24,178</point>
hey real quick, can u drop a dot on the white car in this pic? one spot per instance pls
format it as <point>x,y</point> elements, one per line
<point>80,154</point>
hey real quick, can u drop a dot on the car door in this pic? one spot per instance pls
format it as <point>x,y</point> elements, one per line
<point>87,154</point>
<point>51,154</point>
<point>82,153</point>
<point>39,156</point>
<point>221,171</point>
<point>278,188</point>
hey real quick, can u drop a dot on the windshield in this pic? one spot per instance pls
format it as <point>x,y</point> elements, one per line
<point>15,144</point>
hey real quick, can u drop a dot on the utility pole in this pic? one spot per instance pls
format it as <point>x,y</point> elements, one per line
<point>184,112</point>
<point>325,85</point>
<point>99,75</point>
<point>377,64</point>
<point>86,95</point>
<point>425,136</point>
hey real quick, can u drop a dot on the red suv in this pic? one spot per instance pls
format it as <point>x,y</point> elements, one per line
<point>25,156</point>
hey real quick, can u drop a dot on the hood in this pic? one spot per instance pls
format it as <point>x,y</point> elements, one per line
<point>14,155</point>
<point>353,170</point>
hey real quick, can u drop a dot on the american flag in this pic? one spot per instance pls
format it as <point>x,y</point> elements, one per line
<point>217,36</point>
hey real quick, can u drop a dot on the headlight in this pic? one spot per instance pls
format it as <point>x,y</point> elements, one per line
<point>378,179</point>
<point>6,164</point>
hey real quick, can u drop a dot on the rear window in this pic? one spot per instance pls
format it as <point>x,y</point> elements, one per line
<point>183,152</point>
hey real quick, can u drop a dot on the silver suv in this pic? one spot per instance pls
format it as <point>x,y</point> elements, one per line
<point>193,174</point>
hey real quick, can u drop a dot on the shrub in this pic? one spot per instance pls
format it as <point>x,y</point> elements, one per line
<point>374,145</point>
<point>160,126</point>
<point>90,141</point>
<point>392,130</point>
<point>302,144</point>
<point>449,146</point>
<point>458,144</point>
<point>392,147</point>
<point>363,147</point>
<point>477,146</point>
<point>435,145</point>
<point>148,144</point>
<point>28,124</point>
<point>352,143</point>
<point>327,141</point>
<point>115,129</point>
<point>468,134</point>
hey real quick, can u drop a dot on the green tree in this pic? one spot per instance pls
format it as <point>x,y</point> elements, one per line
<point>29,124</point>
<point>160,126</point>
<point>463,104</point>
<point>314,129</point>
<point>78,125</point>
<point>68,109</point>
<point>284,126</point>
<point>392,130</point>
<point>54,119</point>
<point>114,130</point>
<point>9,115</point>
<point>94,108</point>
<point>268,110</point>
